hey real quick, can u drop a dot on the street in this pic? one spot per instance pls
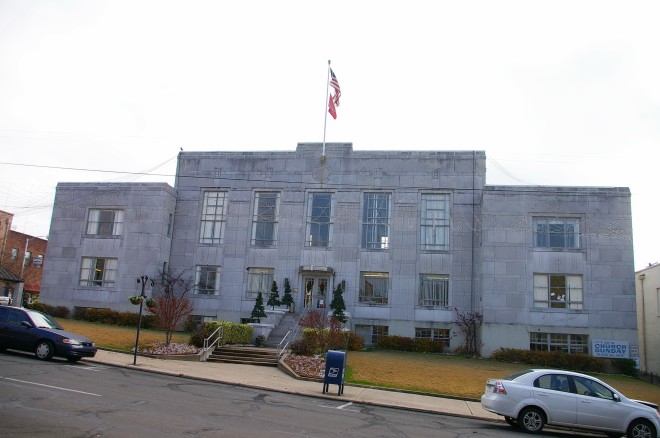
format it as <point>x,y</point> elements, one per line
<point>58,399</point>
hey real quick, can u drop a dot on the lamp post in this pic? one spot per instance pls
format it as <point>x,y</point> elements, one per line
<point>142,279</point>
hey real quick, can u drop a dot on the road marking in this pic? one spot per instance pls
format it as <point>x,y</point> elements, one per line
<point>87,368</point>
<point>343,407</point>
<point>53,387</point>
<point>346,405</point>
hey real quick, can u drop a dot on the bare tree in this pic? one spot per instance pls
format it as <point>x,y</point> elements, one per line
<point>325,333</point>
<point>468,324</point>
<point>171,306</point>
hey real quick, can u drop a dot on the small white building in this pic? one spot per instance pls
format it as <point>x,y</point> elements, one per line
<point>648,318</point>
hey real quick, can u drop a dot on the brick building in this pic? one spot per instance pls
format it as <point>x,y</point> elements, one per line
<point>21,261</point>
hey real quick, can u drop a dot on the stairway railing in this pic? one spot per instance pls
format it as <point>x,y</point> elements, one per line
<point>209,344</point>
<point>280,348</point>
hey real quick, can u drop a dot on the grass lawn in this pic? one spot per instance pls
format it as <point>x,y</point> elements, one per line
<point>430,373</point>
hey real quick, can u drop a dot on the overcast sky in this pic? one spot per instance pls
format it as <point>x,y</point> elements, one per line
<point>555,92</point>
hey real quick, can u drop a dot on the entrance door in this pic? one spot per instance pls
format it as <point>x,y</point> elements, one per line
<point>316,292</point>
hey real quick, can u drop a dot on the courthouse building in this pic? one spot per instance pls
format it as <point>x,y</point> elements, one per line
<point>417,237</point>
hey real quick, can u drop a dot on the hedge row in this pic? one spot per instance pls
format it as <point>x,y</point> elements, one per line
<point>565,361</point>
<point>402,343</point>
<point>232,333</point>
<point>113,317</point>
<point>312,343</point>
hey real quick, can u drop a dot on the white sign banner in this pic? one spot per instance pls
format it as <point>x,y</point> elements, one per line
<point>613,349</point>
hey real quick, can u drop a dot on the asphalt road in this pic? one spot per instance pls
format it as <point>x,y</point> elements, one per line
<point>58,399</point>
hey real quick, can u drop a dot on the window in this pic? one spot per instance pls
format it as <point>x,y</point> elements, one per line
<point>14,253</point>
<point>260,280</point>
<point>558,291</point>
<point>434,290</point>
<point>553,382</point>
<point>319,226</point>
<point>373,287</point>
<point>376,221</point>
<point>556,232</point>
<point>591,388</point>
<point>105,222</point>
<point>27,259</point>
<point>170,222</point>
<point>434,334</point>
<point>370,333</point>
<point>207,280</point>
<point>98,272</point>
<point>435,222</point>
<point>214,211</point>
<point>559,342</point>
<point>264,221</point>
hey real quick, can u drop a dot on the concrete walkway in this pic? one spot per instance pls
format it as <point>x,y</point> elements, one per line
<point>274,379</point>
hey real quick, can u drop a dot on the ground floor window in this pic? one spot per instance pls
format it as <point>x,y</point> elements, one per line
<point>97,271</point>
<point>434,334</point>
<point>371,333</point>
<point>568,343</point>
<point>260,280</point>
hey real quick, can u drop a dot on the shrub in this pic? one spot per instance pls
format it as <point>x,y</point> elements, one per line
<point>402,343</point>
<point>625,366</point>
<point>56,311</point>
<point>303,347</point>
<point>232,333</point>
<point>354,342</point>
<point>553,359</point>
<point>197,337</point>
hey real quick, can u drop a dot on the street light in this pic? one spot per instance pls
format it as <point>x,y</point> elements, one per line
<point>143,279</point>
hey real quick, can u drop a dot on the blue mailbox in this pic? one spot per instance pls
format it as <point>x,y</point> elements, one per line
<point>335,364</point>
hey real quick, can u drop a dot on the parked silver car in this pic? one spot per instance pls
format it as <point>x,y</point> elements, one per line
<point>533,398</point>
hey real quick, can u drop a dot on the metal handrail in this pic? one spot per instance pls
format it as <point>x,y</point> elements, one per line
<point>208,346</point>
<point>281,349</point>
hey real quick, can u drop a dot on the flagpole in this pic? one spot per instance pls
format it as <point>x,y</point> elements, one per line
<point>325,108</point>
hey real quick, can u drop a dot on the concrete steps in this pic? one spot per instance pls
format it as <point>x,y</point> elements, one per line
<point>286,324</point>
<point>245,355</point>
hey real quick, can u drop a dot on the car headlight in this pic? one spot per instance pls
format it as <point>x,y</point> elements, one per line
<point>71,341</point>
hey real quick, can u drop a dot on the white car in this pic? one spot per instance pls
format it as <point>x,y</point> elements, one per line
<point>5,301</point>
<point>533,398</point>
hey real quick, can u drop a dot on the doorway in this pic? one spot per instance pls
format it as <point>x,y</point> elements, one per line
<point>316,289</point>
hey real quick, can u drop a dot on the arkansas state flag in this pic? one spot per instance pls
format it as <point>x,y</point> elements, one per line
<point>331,108</point>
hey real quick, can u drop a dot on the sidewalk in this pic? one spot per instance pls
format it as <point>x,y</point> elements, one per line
<point>274,379</point>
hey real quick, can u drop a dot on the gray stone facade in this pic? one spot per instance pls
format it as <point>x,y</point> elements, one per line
<point>490,262</point>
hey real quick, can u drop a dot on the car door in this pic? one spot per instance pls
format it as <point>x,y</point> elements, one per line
<point>19,336</point>
<point>552,390</point>
<point>596,407</point>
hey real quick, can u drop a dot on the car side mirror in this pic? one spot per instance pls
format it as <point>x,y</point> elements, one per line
<point>616,397</point>
<point>26,324</point>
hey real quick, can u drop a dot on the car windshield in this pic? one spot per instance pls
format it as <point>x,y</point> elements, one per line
<point>45,321</point>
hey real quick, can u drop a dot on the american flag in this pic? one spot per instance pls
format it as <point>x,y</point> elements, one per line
<point>335,84</point>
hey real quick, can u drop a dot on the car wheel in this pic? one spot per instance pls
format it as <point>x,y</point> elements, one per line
<point>531,420</point>
<point>73,359</point>
<point>641,429</point>
<point>44,350</point>
<point>511,421</point>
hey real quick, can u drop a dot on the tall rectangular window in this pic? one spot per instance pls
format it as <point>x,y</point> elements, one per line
<point>27,258</point>
<point>207,280</point>
<point>264,220</point>
<point>556,232</point>
<point>214,211</point>
<point>376,221</point>
<point>105,222</point>
<point>558,291</point>
<point>434,290</point>
<point>260,280</point>
<point>374,287</point>
<point>435,222</point>
<point>98,271</point>
<point>319,225</point>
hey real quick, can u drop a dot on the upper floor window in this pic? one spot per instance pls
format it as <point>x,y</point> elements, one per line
<point>264,220</point>
<point>558,291</point>
<point>214,212</point>
<point>27,259</point>
<point>14,253</point>
<point>556,232</point>
<point>98,271</point>
<point>105,222</point>
<point>435,222</point>
<point>207,280</point>
<point>319,225</point>
<point>434,290</point>
<point>374,287</point>
<point>376,221</point>
<point>260,280</point>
